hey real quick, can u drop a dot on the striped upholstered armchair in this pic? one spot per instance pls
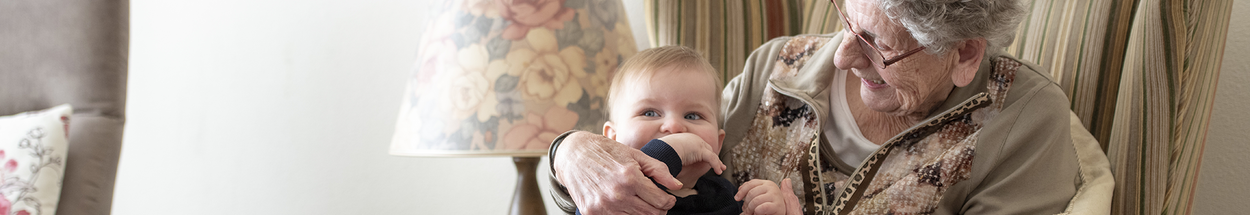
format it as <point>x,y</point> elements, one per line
<point>1140,74</point>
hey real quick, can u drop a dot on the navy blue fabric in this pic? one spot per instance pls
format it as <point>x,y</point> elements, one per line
<point>660,150</point>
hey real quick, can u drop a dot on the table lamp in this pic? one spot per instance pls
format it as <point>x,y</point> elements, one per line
<point>505,77</point>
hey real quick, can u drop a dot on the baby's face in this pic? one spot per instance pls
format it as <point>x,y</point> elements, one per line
<point>667,103</point>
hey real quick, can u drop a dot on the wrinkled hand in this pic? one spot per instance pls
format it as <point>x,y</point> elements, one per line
<point>693,150</point>
<point>763,197</point>
<point>606,177</point>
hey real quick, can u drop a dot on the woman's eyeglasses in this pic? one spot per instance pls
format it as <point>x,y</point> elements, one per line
<point>876,57</point>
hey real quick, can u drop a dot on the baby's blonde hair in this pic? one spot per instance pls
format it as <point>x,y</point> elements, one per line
<point>648,63</point>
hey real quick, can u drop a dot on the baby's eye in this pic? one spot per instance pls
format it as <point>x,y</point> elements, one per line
<point>693,116</point>
<point>650,113</point>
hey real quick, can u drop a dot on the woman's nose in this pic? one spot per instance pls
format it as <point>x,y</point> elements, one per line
<point>850,54</point>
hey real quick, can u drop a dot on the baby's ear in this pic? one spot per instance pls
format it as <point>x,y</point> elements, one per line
<point>611,133</point>
<point>720,142</point>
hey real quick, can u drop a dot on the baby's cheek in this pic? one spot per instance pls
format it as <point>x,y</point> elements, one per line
<point>636,143</point>
<point>630,141</point>
<point>712,138</point>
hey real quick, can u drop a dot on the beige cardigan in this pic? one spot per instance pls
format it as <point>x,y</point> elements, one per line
<point>1005,144</point>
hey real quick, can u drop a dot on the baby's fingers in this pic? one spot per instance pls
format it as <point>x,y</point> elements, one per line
<point>746,188</point>
<point>712,160</point>
<point>759,196</point>
<point>770,208</point>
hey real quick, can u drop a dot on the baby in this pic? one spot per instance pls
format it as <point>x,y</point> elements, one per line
<point>665,102</point>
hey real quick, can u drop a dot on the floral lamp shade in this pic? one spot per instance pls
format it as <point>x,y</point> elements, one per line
<point>505,77</point>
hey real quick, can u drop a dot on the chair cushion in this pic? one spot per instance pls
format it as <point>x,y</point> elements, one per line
<point>32,160</point>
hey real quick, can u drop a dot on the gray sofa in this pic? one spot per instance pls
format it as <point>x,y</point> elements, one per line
<point>71,51</point>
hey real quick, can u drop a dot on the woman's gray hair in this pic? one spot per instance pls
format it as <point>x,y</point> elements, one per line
<point>939,24</point>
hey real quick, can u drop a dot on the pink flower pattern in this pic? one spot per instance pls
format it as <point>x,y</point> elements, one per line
<point>12,185</point>
<point>526,14</point>
<point>538,131</point>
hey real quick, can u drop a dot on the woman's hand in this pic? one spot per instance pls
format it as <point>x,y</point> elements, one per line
<point>606,177</point>
<point>765,197</point>
<point>693,150</point>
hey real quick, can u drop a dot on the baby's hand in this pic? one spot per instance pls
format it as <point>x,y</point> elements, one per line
<point>693,150</point>
<point>765,197</point>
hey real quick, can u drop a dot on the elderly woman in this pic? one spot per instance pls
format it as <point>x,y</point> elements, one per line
<point>912,109</point>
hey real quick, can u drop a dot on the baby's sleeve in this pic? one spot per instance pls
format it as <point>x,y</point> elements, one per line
<point>660,150</point>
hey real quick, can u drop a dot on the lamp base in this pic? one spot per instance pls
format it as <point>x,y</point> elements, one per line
<point>526,199</point>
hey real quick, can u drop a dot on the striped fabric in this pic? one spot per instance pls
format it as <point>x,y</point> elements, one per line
<point>728,30</point>
<point>1164,104</point>
<point>1141,75</point>
<point>1082,42</point>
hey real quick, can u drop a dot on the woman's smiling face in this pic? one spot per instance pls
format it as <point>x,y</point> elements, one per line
<point>911,86</point>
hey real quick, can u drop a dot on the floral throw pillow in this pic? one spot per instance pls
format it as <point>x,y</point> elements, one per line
<point>32,160</point>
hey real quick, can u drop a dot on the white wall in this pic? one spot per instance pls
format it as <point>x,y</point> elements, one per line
<point>1222,187</point>
<point>287,107</point>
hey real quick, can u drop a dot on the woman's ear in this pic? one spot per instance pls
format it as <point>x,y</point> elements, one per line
<point>608,131</point>
<point>970,53</point>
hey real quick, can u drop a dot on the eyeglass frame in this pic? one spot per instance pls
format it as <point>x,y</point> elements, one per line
<point>864,44</point>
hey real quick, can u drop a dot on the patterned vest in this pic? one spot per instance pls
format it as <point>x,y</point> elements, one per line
<point>909,173</point>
